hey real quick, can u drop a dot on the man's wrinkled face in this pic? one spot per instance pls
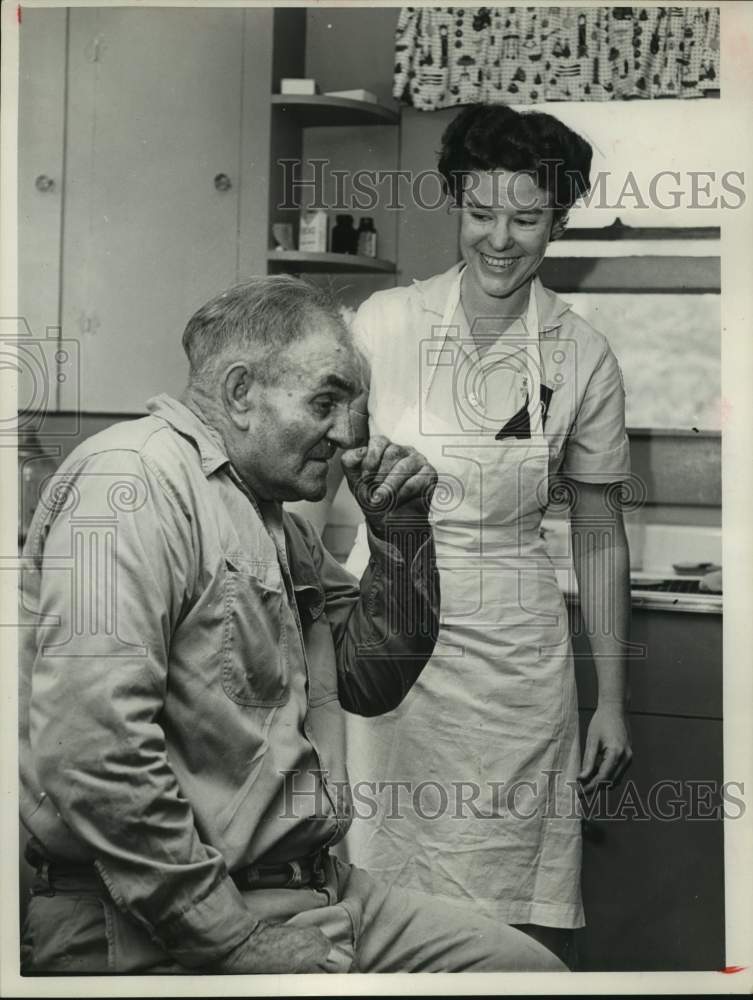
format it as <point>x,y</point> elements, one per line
<point>300,418</point>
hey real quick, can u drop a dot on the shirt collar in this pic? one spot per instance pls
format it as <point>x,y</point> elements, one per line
<point>551,307</point>
<point>434,291</point>
<point>188,423</point>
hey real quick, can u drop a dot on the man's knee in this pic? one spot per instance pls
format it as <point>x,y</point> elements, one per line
<point>513,951</point>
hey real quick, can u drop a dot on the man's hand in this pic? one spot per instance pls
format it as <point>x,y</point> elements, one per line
<point>393,484</point>
<point>279,949</point>
<point>607,754</point>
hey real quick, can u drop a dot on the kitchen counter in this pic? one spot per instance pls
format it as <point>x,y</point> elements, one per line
<point>654,548</point>
<point>654,600</point>
<point>708,604</point>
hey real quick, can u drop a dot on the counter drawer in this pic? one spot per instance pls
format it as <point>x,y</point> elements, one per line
<point>679,672</point>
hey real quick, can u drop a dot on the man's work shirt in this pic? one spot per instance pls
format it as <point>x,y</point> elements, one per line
<point>186,655</point>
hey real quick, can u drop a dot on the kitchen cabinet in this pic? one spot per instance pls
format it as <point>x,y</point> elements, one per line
<point>40,193</point>
<point>149,179</point>
<point>653,885</point>
<point>342,134</point>
<point>152,190</point>
<point>153,124</point>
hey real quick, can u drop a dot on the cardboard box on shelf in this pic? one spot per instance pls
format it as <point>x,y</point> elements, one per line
<point>298,87</point>
<point>312,234</point>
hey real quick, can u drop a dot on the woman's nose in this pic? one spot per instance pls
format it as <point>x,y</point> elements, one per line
<point>499,238</point>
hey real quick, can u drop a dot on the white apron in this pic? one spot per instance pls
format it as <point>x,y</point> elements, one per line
<point>486,742</point>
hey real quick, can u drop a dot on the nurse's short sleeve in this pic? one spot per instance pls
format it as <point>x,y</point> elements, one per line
<point>597,449</point>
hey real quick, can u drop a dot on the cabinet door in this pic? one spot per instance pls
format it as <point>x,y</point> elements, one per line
<point>40,187</point>
<point>154,111</point>
<point>653,887</point>
<point>675,663</point>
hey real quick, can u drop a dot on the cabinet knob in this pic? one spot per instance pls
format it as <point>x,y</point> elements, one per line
<point>222,182</point>
<point>44,183</point>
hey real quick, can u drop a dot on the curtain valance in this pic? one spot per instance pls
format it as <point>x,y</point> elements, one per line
<point>525,55</point>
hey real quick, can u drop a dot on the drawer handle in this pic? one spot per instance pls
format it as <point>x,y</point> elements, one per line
<point>44,183</point>
<point>222,182</point>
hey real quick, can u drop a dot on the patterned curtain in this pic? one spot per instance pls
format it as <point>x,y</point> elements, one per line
<point>523,55</point>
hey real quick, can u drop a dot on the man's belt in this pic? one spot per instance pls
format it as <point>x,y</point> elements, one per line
<point>302,873</point>
<point>61,875</point>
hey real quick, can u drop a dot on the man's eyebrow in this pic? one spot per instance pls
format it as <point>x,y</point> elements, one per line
<point>338,382</point>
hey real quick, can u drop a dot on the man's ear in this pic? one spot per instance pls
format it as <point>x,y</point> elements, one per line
<point>238,394</point>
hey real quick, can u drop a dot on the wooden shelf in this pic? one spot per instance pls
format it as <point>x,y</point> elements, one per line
<point>617,230</point>
<point>695,275</point>
<point>320,110</point>
<point>301,260</point>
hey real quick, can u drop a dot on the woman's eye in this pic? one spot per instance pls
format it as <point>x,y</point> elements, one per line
<point>526,222</point>
<point>480,217</point>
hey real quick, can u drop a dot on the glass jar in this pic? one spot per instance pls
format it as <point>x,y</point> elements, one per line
<point>367,237</point>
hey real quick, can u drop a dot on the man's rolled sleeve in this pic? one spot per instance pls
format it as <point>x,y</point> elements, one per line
<point>98,693</point>
<point>386,627</point>
<point>598,449</point>
<point>203,934</point>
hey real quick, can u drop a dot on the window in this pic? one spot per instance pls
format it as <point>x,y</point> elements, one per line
<point>669,349</point>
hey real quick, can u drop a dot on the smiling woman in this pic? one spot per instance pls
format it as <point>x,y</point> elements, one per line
<point>501,386</point>
<point>505,228</point>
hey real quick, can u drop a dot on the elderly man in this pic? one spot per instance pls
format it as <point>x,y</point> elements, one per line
<point>189,650</point>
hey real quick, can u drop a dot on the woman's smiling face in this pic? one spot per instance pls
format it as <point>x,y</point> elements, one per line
<point>506,225</point>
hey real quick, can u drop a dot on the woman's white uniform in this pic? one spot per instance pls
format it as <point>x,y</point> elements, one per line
<point>467,790</point>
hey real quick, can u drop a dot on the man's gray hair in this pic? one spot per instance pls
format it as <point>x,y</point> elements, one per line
<point>260,317</point>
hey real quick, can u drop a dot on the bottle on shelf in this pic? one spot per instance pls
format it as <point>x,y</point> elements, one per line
<point>344,237</point>
<point>367,237</point>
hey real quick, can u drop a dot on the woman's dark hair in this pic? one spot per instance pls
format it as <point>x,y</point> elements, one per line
<point>495,137</point>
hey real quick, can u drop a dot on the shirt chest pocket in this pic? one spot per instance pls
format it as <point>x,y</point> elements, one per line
<point>254,653</point>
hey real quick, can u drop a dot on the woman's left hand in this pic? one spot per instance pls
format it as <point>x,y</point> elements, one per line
<point>608,752</point>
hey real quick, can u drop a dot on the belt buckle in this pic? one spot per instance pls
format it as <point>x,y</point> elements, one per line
<point>318,872</point>
<point>295,879</point>
<point>43,884</point>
